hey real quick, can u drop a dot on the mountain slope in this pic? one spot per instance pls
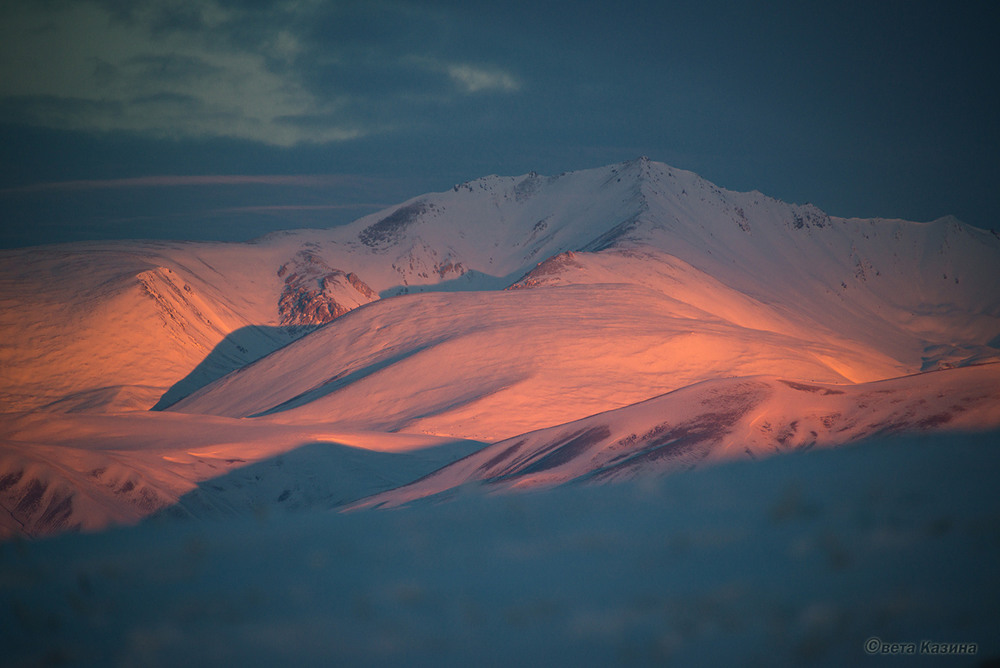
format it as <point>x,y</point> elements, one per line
<point>84,327</point>
<point>493,365</point>
<point>719,420</point>
<point>72,472</point>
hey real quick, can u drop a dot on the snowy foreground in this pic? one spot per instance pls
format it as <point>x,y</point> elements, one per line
<point>792,560</point>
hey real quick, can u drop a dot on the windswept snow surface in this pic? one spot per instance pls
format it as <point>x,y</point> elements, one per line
<point>791,561</point>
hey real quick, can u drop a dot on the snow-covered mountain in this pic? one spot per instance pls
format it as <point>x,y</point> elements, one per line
<point>504,306</point>
<point>86,325</point>
<point>651,279</point>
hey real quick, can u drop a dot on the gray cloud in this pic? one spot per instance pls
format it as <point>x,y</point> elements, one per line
<point>475,79</point>
<point>279,73</point>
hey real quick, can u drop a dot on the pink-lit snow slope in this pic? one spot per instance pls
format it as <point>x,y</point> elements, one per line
<point>724,419</point>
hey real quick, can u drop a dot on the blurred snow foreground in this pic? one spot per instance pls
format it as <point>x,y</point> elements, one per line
<point>814,558</point>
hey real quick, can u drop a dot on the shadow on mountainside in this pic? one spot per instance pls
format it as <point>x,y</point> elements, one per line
<point>312,476</point>
<point>238,349</point>
<point>248,344</point>
<point>339,381</point>
<point>470,281</point>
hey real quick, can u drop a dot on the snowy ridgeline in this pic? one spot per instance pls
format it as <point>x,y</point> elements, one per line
<point>731,283</point>
<point>793,560</point>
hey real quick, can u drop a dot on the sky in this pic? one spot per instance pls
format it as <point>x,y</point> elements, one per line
<point>227,119</point>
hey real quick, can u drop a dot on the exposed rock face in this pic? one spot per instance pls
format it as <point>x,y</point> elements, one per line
<point>315,293</point>
<point>38,498</point>
<point>391,229</point>
<point>419,264</point>
<point>546,270</point>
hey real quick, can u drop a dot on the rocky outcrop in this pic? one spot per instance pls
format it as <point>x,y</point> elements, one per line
<point>545,271</point>
<point>38,498</point>
<point>316,293</point>
<point>392,228</point>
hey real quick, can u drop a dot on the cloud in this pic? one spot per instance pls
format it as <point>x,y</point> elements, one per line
<point>474,79</point>
<point>82,66</point>
<point>282,73</point>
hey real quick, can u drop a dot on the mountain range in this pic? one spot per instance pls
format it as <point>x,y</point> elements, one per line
<point>510,333</point>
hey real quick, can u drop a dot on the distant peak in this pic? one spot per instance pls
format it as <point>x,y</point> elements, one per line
<point>642,167</point>
<point>641,161</point>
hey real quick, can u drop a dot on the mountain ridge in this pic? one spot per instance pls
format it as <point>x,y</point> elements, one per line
<point>489,234</point>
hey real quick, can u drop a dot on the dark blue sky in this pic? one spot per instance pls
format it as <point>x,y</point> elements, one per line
<point>112,111</point>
